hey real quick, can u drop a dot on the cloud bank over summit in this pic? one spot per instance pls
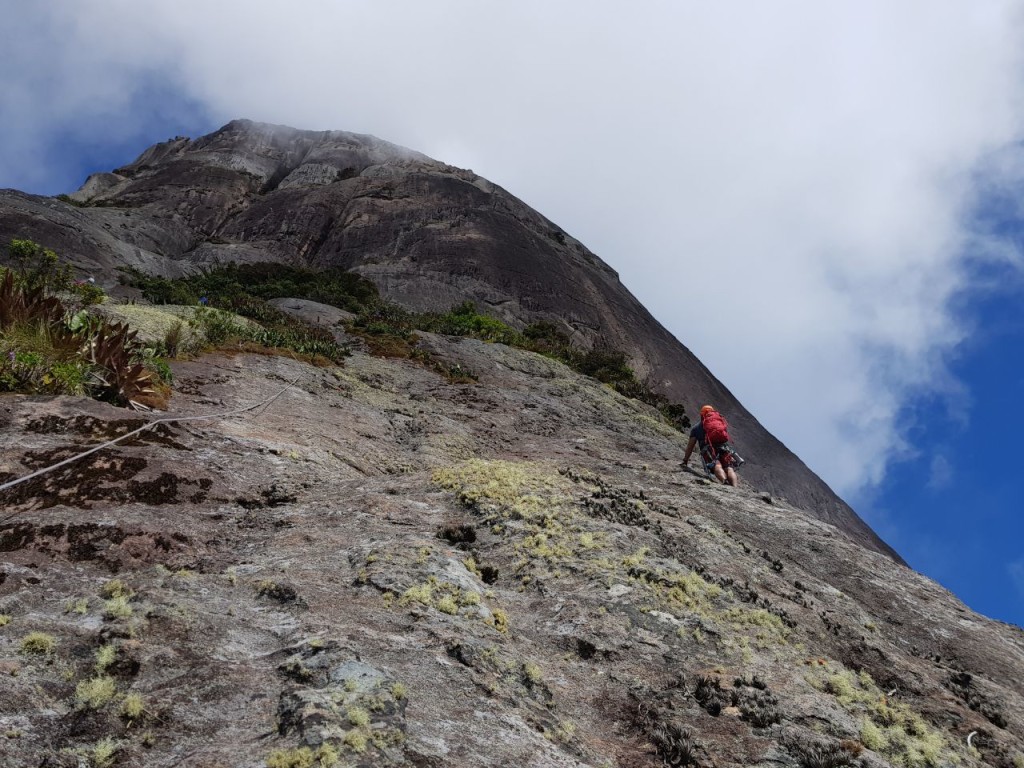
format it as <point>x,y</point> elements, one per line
<point>789,188</point>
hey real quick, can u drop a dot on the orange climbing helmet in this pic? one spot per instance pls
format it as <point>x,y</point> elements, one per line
<point>706,408</point>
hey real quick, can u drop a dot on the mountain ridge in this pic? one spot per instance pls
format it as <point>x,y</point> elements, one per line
<point>427,234</point>
<point>473,555</point>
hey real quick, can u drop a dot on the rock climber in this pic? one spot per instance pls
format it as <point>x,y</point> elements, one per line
<point>712,434</point>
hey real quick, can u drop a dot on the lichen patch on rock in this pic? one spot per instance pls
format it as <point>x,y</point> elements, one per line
<point>384,568</point>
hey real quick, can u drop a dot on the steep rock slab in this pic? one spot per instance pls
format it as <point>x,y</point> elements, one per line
<point>403,571</point>
<point>430,235</point>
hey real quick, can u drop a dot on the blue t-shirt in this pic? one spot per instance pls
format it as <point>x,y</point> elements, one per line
<point>698,432</point>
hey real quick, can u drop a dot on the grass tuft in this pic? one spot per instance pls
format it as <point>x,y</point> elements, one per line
<point>133,706</point>
<point>38,644</point>
<point>104,751</point>
<point>96,692</point>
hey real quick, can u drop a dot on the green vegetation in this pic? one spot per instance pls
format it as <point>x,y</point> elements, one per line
<point>442,595</point>
<point>80,606</point>
<point>273,329</point>
<point>225,284</point>
<point>48,348</point>
<point>564,732</point>
<point>447,604</point>
<point>358,716</point>
<point>115,588</point>
<point>541,512</point>
<point>303,757</point>
<point>888,727</point>
<point>387,329</point>
<point>104,751</point>
<point>105,656</point>
<point>532,673</point>
<point>356,740</point>
<point>133,706</point>
<point>117,608</point>
<point>230,291</point>
<point>500,620</point>
<point>96,692</point>
<point>38,268</point>
<point>38,644</point>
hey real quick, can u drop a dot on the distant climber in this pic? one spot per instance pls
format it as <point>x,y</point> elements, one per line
<point>712,433</point>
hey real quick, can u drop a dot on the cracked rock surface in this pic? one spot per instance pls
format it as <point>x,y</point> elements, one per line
<point>382,568</point>
<point>429,235</point>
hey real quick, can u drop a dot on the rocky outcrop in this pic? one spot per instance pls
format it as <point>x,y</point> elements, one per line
<point>378,567</point>
<point>428,234</point>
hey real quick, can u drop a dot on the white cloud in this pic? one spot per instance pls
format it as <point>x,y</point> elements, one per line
<point>940,475</point>
<point>807,165</point>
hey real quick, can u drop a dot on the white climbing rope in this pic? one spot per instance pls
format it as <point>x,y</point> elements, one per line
<point>150,425</point>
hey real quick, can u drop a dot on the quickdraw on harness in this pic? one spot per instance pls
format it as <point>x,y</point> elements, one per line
<point>708,456</point>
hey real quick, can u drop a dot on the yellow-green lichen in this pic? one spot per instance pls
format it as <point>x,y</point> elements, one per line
<point>447,604</point>
<point>421,593</point>
<point>326,756</point>
<point>96,692</point>
<point>115,588</point>
<point>871,736</point>
<point>103,752</point>
<point>356,740</point>
<point>80,606</point>
<point>105,656</point>
<point>500,620</point>
<point>564,732</point>
<point>533,503</point>
<point>888,727</point>
<point>133,706</point>
<point>357,716</point>
<point>532,673</point>
<point>769,628</point>
<point>440,595</point>
<point>513,490</point>
<point>38,644</point>
<point>117,607</point>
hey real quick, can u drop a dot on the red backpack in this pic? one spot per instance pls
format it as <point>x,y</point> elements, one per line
<point>716,430</point>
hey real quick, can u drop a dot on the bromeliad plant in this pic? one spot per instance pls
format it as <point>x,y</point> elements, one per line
<point>119,374</point>
<point>44,349</point>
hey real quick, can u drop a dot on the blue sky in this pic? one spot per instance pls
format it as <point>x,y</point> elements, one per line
<point>955,510</point>
<point>850,174</point>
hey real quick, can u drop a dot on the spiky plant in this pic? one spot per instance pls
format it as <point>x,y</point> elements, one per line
<point>18,305</point>
<point>43,351</point>
<point>114,352</point>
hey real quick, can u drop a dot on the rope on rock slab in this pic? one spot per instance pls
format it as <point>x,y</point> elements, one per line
<point>143,428</point>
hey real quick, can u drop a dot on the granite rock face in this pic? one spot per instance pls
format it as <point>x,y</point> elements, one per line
<point>428,234</point>
<point>378,567</point>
